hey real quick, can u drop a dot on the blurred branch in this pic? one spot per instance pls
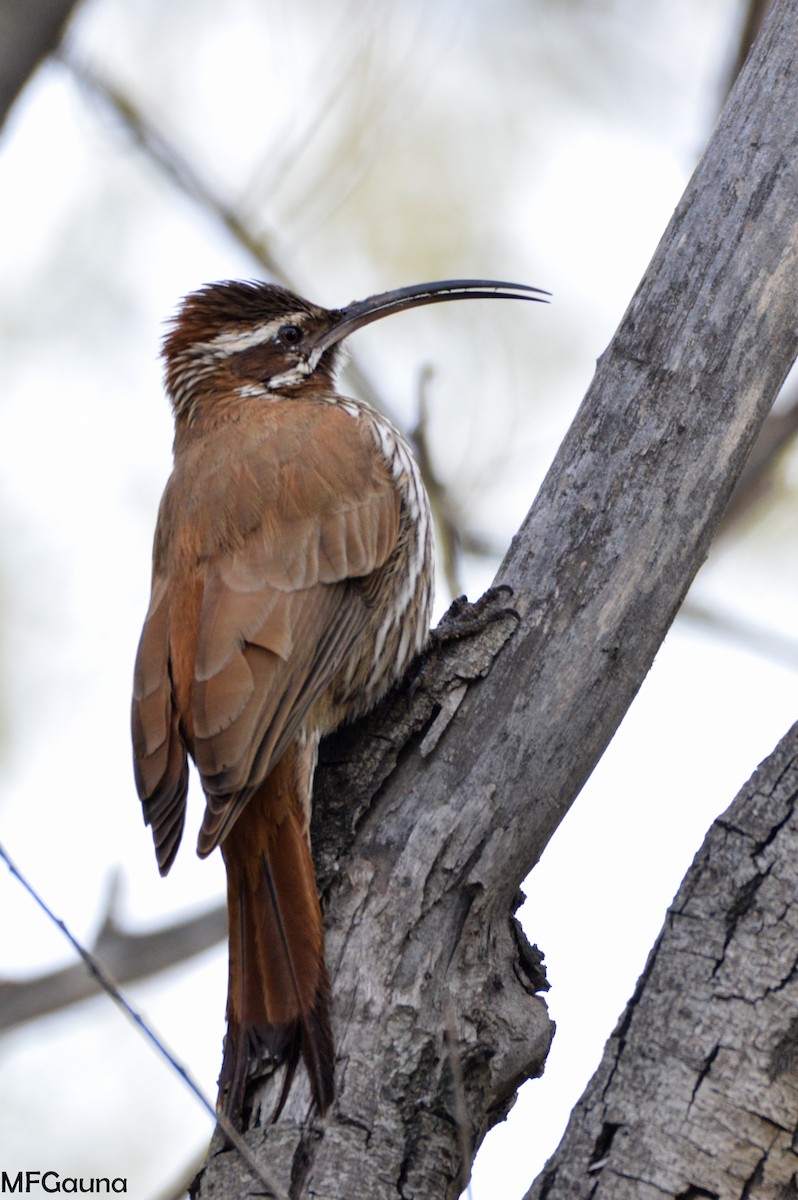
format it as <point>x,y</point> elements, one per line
<point>764,642</point>
<point>181,174</point>
<point>128,956</point>
<point>299,139</point>
<point>756,482</point>
<point>755,14</point>
<point>177,169</point>
<point>755,485</point>
<point>29,31</point>
<point>381,110</point>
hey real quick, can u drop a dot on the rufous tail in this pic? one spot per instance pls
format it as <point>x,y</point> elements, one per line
<point>278,990</point>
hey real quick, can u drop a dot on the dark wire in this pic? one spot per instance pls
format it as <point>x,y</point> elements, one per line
<point>95,968</point>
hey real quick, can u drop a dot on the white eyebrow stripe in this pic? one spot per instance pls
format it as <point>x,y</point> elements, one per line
<point>231,342</point>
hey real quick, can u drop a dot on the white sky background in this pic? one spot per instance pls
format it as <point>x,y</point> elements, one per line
<point>377,144</point>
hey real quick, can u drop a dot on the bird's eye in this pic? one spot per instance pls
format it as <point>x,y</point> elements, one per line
<point>291,335</point>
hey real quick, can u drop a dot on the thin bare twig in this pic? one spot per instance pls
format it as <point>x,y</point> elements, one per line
<point>166,156</point>
<point>183,175</point>
<point>381,110</point>
<point>450,539</point>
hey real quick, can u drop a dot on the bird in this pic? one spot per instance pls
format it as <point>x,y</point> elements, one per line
<point>292,584</point>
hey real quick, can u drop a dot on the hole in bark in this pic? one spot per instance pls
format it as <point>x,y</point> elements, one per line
<point>696,1193</point>
<point>743,901</point>
<point>603,1142</point>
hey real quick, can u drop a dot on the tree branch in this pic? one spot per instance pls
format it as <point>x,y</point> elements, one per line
<point>697,1092</point>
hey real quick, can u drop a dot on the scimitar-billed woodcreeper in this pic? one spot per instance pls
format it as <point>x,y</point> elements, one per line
<point>291,587</point>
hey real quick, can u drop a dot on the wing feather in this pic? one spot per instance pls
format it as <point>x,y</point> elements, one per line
<point>159,753</point>
<point>288,529</point>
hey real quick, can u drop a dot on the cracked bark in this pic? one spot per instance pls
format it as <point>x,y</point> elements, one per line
<point>697,1091</point>
<point>421,854</point>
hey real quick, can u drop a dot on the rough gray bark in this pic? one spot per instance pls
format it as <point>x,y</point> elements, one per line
<point>29,31</point>
<point>697,1092</point>
<point>421,866</point>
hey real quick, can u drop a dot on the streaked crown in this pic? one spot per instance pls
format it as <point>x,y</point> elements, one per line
<point>240,335</point>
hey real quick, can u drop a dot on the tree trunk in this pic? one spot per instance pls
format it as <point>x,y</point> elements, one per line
<point>432,811</point>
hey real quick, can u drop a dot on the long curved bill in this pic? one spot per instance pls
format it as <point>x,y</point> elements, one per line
<point>363,312</point>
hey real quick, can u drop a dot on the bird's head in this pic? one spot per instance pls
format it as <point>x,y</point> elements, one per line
<point>237,338</point>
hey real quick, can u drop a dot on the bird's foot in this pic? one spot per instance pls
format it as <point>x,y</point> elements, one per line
<point>464,618</point>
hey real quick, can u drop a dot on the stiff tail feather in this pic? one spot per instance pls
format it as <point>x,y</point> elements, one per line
<point>278,991</point>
